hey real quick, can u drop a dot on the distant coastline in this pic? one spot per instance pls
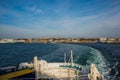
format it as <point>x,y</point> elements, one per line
<point>62,40</point>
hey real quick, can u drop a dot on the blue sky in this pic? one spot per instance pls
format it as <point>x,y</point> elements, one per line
<point>59,18</point>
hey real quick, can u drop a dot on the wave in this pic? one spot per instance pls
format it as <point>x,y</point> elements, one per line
<point>83,55</point>
<point>94,56</point>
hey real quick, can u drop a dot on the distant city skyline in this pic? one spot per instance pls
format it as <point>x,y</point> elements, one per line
<point>59,18</point>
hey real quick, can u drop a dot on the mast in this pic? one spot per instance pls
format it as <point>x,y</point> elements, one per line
<point>71,57</point>
<point>36,67</point>
<point>64,57</point>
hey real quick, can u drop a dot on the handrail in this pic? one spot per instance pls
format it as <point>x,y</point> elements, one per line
<point>16,74</point>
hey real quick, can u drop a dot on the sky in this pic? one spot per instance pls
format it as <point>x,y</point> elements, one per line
<point>59,18</point>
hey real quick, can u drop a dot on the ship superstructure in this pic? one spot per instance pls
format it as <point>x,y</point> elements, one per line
<point>59,71</point>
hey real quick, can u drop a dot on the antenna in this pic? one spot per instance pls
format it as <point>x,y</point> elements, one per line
<point>71,56</point>
<point>64,57</point>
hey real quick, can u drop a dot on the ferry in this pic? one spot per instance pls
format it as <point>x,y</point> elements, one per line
<point>42,70</point>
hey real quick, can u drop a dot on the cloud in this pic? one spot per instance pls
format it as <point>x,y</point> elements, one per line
<point>90,26</point>
<point>10,12</point>
<point>34,9</point>
<point>10,31</point>
<point>64,23</point>
<point>86,26</point>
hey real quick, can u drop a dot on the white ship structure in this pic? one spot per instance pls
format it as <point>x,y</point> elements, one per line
<point>60,71</point>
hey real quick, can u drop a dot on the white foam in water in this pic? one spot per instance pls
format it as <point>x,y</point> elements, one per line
<point>95,56</point>
<point>100,62</point>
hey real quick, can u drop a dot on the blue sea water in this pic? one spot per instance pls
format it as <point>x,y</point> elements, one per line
<point>105,56</point>
<point>111,53</point>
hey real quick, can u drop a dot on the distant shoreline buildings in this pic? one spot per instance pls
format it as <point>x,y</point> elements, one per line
<point>61,40</point>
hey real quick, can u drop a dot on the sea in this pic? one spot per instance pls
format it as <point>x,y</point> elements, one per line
<point>105,56</point>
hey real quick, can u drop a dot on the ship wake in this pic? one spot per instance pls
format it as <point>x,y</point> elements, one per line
<point>94,56</point>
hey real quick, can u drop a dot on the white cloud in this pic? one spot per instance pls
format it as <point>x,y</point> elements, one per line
<point>102,24</point>
<point>87,26</point>
<point>9,31</point>
<point>9,12</point>
<point>35,9</point>
<point>92,26</point>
